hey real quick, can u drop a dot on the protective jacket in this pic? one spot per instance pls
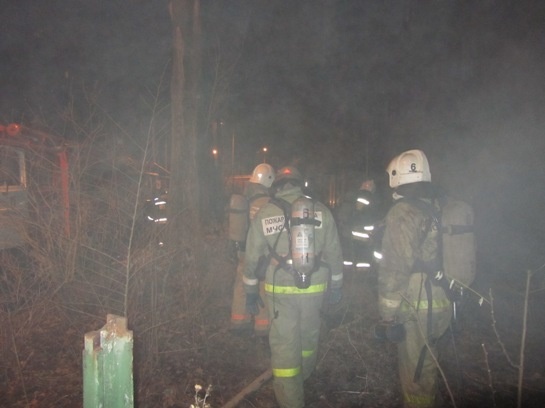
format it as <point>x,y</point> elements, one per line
<point>263,232</point>
<point>257,196</point>
<point>294,313</point>
<point>407,293</point>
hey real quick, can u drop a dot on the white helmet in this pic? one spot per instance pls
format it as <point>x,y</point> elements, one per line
<point>263,174</point>
<point>409,167</point>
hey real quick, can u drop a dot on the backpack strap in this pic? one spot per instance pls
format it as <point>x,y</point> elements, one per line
<point>285,207</point>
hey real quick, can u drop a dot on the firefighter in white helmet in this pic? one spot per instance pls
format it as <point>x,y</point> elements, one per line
<point>256,194</point>
<point>263,174</point>
<point>294,288</point>
<point>415,310</point>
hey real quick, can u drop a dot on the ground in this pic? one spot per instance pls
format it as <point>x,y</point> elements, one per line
<point>41,360</point>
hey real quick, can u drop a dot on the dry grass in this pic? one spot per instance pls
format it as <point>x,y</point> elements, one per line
<point>56,289</point>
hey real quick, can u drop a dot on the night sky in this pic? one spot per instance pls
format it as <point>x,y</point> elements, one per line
<point>345,84</point>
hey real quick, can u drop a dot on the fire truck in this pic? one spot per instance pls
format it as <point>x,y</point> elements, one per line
<point>34,183</point>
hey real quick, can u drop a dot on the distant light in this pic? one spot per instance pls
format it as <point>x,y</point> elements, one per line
<point>13,129</point>
<point>348,263</point>
<point>377,255</point>
<point>369,227</point>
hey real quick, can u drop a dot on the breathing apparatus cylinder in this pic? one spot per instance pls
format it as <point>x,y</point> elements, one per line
<point>302,240</point>
<point>238,218</point>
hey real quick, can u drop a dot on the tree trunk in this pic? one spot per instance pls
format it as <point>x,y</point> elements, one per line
<point>183,209</point>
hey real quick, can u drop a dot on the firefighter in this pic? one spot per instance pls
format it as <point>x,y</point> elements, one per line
<point>294,300</point>
<point>355,203</point>
<point>362,224</point>
<point>415,311</point>
<point>256,194</point>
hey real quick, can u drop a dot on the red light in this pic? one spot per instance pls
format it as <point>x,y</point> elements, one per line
<point>13,129</point>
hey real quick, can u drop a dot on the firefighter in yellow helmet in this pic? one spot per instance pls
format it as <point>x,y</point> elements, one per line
<point>415,310</point>
<point>256,194</point>
<point>294,288</point>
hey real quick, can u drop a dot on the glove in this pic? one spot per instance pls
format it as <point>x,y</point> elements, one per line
<point>253,302</point>
<point>335,296</point>
<point>389,330</point>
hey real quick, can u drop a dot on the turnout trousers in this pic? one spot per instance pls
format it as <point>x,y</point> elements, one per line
<point>421,392</point>
<point>293,338</point>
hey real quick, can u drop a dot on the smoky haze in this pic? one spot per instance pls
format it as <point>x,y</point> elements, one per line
<point>344,85</point>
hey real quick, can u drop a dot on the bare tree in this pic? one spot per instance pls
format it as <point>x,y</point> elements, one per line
<point>186,63</point>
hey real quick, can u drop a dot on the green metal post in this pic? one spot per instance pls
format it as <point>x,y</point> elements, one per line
<point>107,366</point>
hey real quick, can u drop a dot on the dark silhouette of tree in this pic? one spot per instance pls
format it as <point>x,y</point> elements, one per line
<point>184,229</point>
